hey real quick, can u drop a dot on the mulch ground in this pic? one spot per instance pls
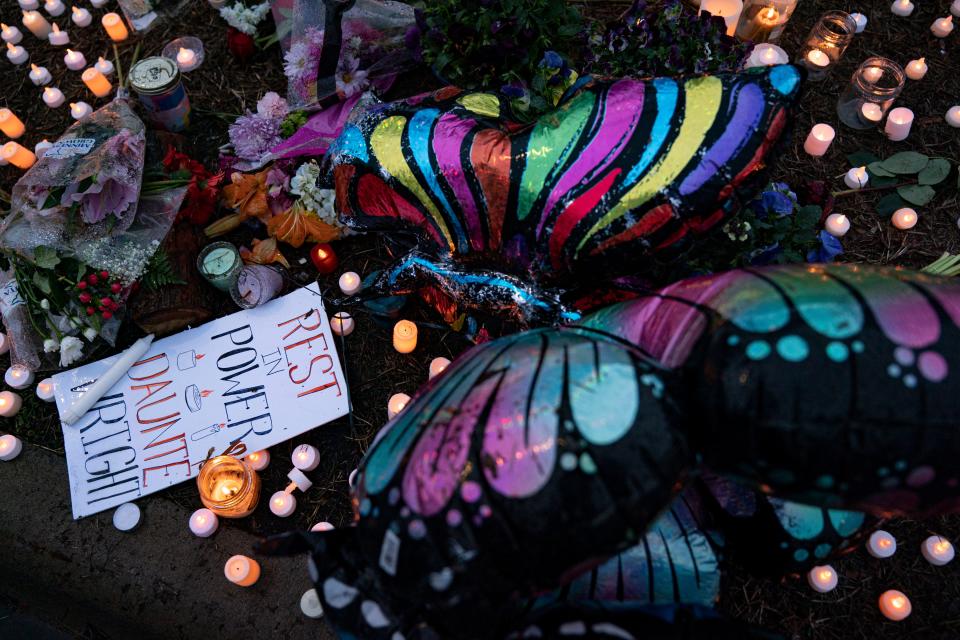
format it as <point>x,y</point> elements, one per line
<point>376,371</point>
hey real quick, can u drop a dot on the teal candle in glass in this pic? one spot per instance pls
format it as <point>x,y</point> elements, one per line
<point>220,264</point>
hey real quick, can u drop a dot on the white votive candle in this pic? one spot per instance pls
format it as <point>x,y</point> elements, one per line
<point>856,178</point>
<point>837,225</point>
<point>74,60</point>
<point>818,58</point>
<point>881,544</point>
<point>902,8</point>
<point>58,38</point>
<point>29,5</point>
<point>10,124</point>
<point>861,21</point>
<point>37,24</point>
<point>10,34</point>
<point>204,523</point>
<point>822,578</point>
<point>104,66</point>
<point>437,365</point>
<point>895,605</point>
<point>53,97</point>
<point>18,377</point>
<point>42,147</point>
<point>342,323</point>
<point>17,155</point>
<point>186,59</point>
<point>898,124</point>
<point>282,504</point>
<point>322,526</point>
<point>405,336</point>
<point>81,17</point>
<point>871,112</point>
<point>819,139</point>
<point>299,479</point>
<point>953,116</point>
<point>10,404</point>
<point>872,74</point>
<point>905,218</point>
<point>937,551</point>
<point>729,10</point>
<point>46,390</point>
<point>17,54</point>
<point>310,604</point>
<point>942,27</point>
<point>114,26</point>
<point>54,7</point>
<point>916,69</point>
<point>766,54</point>
<point>396,404</point>
<point>258,460</point>
<point>39,75</point>
<point>242,571</point>
<point>80,110</point>
<point>126,517</point>
<point>349,283</point>
<point>10,446</point>
<point>305,457</point>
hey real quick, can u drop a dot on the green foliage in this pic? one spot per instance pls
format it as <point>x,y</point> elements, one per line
<point>935,172</point>
<point>292,123</point>
<point>890,203</point>
<point>946,265</point>
<point>160,273</point>
<point>916,194</point>
<point>906,162</point>
<point>45,257</point>
<point>914,176</point>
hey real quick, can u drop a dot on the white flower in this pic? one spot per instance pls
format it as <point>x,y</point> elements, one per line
<point>90,334</point>
<point>71,350</point>
<point>243,19</point>
<point>45,304</point>
<point>50,345</point>
<point>351,79</point>
<point>296,60</point>
<point>320,201</point>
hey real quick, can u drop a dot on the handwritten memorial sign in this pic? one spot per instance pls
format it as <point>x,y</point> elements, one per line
<point>238,384</point>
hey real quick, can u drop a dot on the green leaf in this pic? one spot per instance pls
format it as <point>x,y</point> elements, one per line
<point>45,257</point>
<point>890,203</point>
<point>159,272</point>
<point>881,182</point>
<point>861,158</point>
<point>906,162</point>
<point>935,172</point>
<point>42,281</point>
<point>809,215</point>
<point>916,194</point>
<point>876,169</point>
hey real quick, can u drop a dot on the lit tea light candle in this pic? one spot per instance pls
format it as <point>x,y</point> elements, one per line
<point>729,10</point>
<point>4,344</point>
<point>96,82</point>
<point>29,5</point>
<point>902,8</point>
<point>74,60</point>
<point>10,445</point>
<point>37,24</point>
<point>258,460</point>
<point>898,124</point>
<point>405,336</point>
<point>818,59</point>
<point>349,283</point>
<point>822,579</point>
<point>872,74</point>
<point>81,17</point>
<point>283,504</point>
<point>10,34</point>
<point>10,124</point>
<point>871,112</point>
<point>54,7</point>
<point>228,486</point>
<point>126,517</point>
<point>186,59</point>
<point>310,604</point>
<point>80,110</point>
<point>342,323</point>
<point>46,390</point>
<point>42,147</point>
<point>58,38</point>
<point>396,404</point>
<point>16,54</point>
<point>904,219</point>
<point>881,544</point>
<point>437,366</point>
<point>323,258</point>
<point>18,376</point>
<point>242,571</point>
<point>837,225</point>
<point>305,457</point>
<point>18,156</point>
<point>113,24</point>
<point>819,139</point>
<point>98,3</point>
<point>937,551</point>
<point>916,69</point>
<point>322,526</point>
<point>861,21</point>
<point>10,404</point>
<point>53,97</point>
<point>942,27</point>
<point>765,55</point>
<point>204,523</point>
<point>39,75</point>
<point>856,178</point>
<point>953,116</point>
<point>895,605</point>
<point>104,66</point>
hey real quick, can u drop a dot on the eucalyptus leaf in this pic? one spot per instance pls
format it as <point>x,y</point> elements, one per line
<point>45,257</point>
<point>42,282</point>
<point>861,158</point>
<point>935,172</point>
<point>906,162</point>
<point>882,181</point>
<point>890,203</point>
<point>916,194</point>
<point>876,169</point>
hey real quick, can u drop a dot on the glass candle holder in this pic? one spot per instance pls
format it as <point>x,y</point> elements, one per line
<point>764,20</point>
<point>826,43</point>
<point>220,264</point>
<point>228,486</point>
<point>256,285</point>
<point>873,88</point>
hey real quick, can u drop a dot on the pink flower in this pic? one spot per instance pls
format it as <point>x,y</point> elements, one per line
<point>271,105</point>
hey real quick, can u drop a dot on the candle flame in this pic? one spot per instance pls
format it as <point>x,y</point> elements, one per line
<point>3,443</point>
<point>942,547</point>
<point>254,456</point>
<point>4,27</point>
<point>3,403</point>
<point>75,10</point>
<point>771,13</point>
<point>34,67</point>
<point>73,105</point>
<point>56,29</point>
<point>205,393</point>
<point>183,51</point>
<point>825,575</point>
<point>70,52</point>
<point>897,602</point>
<point>884,542</point>
<point>922,61</point>
<point>11,47</point>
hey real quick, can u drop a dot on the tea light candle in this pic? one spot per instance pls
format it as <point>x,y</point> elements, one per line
<point>818,58</point>
<point>96,82</point>
<point>306,457</point>
<point>29,5</point>
<point>126,517</point>
<point>872,74</point>
<point>349,283</point>
<point>37,24</point>
<point>729,10</point>
<point>861,21</point>
<point>74,60</point>
<point>902,8</point>
<point>857,178</point>
<point>186,59</point>
<point>396,404</point>
<point>114,26</point>
<point>98,3</point>
<point>80,110</point>
<point>54,7</point>
<point>942,27</point>
<point>895,605</point>
<point>822,579</point>
<point>10,34</point>
<point>765,55</point>
<point>258,460</point>
<point>10,404</point>
<point>10,445</point>
<point>322,526</point>
<point>53,97</point>
<point>42,147</point>
<point>323,258</point>
<point>898,124</point>
<point>405,336</point>
<point>905,218</point>
<point>283,504</point>
<point>228,486</point>
<point>39,75</point>
<point>298,480</point>
<point>104,66</point>
<point>871,112</point>
<point>204,523</point>
<point>242,571</point>
<point>955,8</point>
<point>342,323</point>
<point>16,54</point>
<point>437,365</point>
<point>81,17</point>
<point>916,69</point>
<point>819,139</point>
<point>837,225</point>
<point>953,116</point>
<point>10,124</point>
<point>46,389</point>
<point>4,344</point>
<point>937,551</point>
<point>881,544</point>
<point>310,604</point>
<point>58,38</point>
<point>18,376</point>
<point>20,157</point>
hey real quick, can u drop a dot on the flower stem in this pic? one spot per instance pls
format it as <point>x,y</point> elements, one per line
<point>846,192</point>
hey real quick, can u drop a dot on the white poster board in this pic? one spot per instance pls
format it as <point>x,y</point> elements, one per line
<point>249,380</point>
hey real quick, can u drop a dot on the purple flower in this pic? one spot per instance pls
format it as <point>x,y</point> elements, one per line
<point>271,105</point>
<point>253,135</point>
<point>513,91</point>
<point>829,249</point>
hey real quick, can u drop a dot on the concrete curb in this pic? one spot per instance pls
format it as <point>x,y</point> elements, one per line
<point>158,581</point>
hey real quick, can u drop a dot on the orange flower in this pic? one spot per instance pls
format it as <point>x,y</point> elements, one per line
<point>264,252</point>
<point>247,194</point>
<point>295,225</point>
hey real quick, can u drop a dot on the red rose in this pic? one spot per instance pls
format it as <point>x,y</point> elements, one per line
<point>240,44</point>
